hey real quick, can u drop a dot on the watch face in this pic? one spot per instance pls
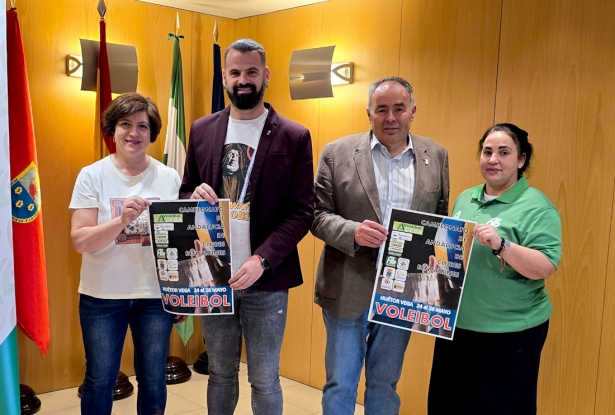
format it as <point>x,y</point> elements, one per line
<point>264,264</point>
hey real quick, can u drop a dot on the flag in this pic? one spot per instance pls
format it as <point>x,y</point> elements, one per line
<point>217,89</point>
<point>28,245</point>
<point>103,92</point>
<point>9,372</point>
<point>175,144</point>
<point>9,375</point>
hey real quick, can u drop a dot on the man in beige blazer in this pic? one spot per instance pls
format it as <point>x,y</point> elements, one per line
<point>359,179</point>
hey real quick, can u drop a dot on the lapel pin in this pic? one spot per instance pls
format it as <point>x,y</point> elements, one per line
<point>427,162</point>
<point>268,132</point>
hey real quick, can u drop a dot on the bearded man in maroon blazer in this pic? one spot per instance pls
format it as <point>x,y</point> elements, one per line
<point>263,163</point>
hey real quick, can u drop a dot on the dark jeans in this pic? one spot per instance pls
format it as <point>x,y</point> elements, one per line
<point>261,316</point>
<point>104,324</point>
<point>487,373</point>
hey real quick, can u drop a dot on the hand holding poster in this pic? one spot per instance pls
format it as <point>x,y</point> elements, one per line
<point>191,242</point>
<point>421,271</point>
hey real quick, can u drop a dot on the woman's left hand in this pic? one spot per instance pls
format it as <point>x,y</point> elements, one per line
<point>530,263</point>
<point>487,235</point>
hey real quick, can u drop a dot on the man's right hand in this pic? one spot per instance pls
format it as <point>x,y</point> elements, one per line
<point>370,234</point>
<point>205,192</point>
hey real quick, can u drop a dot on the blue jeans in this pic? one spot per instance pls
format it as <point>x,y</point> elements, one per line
<point>104,324</point>
<point>349,344</point>
<point>261,316</point>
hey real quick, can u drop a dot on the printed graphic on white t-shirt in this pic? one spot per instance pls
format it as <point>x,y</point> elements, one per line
<point>238,158</point>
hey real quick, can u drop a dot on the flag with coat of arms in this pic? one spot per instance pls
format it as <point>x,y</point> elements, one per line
<point>23,298</point>
<point>28,244</point>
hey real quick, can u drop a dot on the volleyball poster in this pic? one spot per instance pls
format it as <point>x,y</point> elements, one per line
<point>421,272</point>
<point>191,244</point>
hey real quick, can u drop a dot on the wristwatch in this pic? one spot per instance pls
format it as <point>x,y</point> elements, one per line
<point>264,262</point>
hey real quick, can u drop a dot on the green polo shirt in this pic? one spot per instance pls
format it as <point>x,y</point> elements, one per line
<point>494,302</point>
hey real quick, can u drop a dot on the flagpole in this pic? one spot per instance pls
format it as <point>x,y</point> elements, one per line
<point>217,104</point>
<point>102,10</point>
<point>217,92</point>
<point>104,90</point>
<point>174,156</point>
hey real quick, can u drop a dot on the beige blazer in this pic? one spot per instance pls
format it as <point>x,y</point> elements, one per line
<point>346,195</point>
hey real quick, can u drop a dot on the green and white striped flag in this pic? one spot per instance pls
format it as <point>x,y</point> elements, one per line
<point>9,371</point>
<point>175,144</point>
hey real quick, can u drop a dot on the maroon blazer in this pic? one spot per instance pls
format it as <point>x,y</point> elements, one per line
<point>281,188</point>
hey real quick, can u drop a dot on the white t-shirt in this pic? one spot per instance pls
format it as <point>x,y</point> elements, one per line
<point>240,146</point>
<point>125,268</point>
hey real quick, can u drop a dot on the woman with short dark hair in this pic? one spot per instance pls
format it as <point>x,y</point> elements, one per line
<point>491,366</point>
<point>118,285</point>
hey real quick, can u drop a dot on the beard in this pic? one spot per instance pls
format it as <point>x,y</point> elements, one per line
<point>246,101</point>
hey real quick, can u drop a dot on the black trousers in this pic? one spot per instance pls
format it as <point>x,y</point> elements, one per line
<point>486,373</point>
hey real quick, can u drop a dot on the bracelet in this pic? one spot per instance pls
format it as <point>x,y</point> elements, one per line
<point>499,251</point>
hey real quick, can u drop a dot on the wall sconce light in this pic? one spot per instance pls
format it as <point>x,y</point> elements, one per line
<point>74,67</point>
<point>123,66</point>
<point>311,73</point>
<point>342,73</point>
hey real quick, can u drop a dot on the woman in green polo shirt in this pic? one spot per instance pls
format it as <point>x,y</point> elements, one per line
<point>491,366</point>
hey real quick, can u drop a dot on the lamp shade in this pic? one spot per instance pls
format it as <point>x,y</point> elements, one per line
<point>122,66</point>
<point>309,73</point>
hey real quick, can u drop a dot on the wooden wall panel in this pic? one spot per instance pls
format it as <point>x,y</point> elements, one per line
<point>247,27</point>
<point>605,388</point>
<point>555,80</point>
<point>449,55</point>
<point>368,35</point>
<point>280,33</point>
